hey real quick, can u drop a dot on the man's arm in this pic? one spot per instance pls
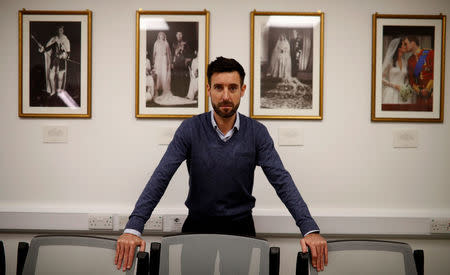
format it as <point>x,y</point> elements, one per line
<point>281,180</point>
<point>176,153</point>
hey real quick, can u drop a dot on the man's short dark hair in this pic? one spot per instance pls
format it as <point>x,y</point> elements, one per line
<point>413,38</point>
<point>225,65</point>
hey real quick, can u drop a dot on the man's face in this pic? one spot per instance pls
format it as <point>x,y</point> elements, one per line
<point>225,92</point>
<point>179,36</point>
<point>409,45</point>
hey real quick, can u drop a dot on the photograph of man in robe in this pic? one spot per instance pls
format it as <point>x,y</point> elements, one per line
<point>54,64</point>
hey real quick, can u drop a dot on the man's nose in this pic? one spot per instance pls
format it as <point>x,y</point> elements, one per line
<point>226,93</point>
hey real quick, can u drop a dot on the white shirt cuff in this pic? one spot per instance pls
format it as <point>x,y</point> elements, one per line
<point>312,231</point>
<point>134,232</point>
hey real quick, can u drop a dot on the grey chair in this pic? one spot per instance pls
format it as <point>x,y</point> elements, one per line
<point>212,254</point>
<point>366,257</point>
<point>52,254</point>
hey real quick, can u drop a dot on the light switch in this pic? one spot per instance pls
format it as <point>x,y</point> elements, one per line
<point>405,138</point>
<point>290,136</point>
<point>165,135</point>
<point>55,134</point>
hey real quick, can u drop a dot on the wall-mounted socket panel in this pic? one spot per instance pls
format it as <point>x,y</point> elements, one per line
<point>100,221</point>
<point>440,226</point>
<point>122,222</point>
<point>173,223</point>
<point>154,223</point>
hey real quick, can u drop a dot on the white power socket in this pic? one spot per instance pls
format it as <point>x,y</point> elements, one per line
<point>122,222</point>
<point>154,223</point>
<point>440,225</point>
<point>173,223</point>
<point>100,221</point>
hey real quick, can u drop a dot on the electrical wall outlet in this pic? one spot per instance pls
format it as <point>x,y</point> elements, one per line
<point>100,221</point>
<point>173,223</point>
<point>122,222</point>
<point>440,225</point>
<point>154,223</point>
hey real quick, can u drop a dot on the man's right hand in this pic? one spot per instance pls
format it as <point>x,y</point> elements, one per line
<point>126,247</point>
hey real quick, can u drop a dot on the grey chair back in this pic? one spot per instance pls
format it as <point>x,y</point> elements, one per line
<point>72,255</point>
<point>364,257</point>
<point>213,254</point>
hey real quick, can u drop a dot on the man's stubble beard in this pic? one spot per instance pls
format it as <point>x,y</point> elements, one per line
<point>222,114</point>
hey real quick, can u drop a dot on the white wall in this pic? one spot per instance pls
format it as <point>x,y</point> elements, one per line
<point>347,166</point>
<point>347,161</point>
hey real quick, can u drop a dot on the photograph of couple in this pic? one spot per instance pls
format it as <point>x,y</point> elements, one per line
<point>286,68</point>
<point>171,66</point>
<point>407,69</point>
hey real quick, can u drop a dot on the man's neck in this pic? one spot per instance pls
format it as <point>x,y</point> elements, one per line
<point>225,124</point>
<point>416,49</point>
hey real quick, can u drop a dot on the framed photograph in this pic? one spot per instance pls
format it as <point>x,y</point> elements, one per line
<point>408,54</point>
<point>172,53</point>
<point>55,63</point>
<point>286,65</point>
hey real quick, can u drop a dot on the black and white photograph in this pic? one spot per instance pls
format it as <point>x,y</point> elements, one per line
<point>286,65</point>
<point>172,66</point>
<point>408,87</point>
<point>172,73</point>
<point>55,64</point>
<point>286,75</point>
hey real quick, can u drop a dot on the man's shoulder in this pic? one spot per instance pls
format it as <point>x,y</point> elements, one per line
<point>251,122</point>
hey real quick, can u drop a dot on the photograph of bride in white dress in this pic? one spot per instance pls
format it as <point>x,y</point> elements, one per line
<point>407,69</point>
<point>287,68</point>
<point>172,66</point>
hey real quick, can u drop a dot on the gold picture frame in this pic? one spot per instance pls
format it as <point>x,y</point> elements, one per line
<point>408,67</point>
<point>55,76</point>
<point>286,56</point>
<point>172,55</point>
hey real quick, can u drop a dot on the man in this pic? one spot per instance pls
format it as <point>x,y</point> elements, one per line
<point>182,56</point>
<point>420,71</point>
<point>295,42</point>
<point>221,149</point>
<point>56,53</point>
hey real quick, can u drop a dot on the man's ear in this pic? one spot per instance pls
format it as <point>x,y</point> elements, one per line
<point>208,89</point>
<point>243,89</point>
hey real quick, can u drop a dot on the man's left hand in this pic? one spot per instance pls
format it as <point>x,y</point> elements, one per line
<point>319,250</point>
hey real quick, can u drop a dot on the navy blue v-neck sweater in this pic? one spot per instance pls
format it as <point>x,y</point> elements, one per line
<point>221,174</point>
